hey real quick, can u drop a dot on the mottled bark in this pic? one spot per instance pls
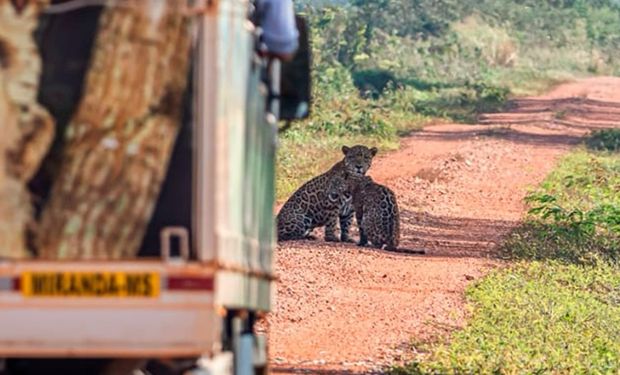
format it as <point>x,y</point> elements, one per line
<point>119,142</point>
<point>26,128</point>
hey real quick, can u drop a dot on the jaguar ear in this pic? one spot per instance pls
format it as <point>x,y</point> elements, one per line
<point>345,150</point>
<point>373,151</point>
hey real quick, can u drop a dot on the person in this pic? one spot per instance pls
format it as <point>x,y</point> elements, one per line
<point>279,29</point>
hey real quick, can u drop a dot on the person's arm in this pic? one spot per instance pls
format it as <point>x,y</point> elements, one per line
<point>280,33</point>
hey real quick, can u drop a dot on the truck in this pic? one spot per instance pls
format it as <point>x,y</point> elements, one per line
<point>189,299</point>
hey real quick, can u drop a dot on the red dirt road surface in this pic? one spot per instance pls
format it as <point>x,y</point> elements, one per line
<point>341,309</point>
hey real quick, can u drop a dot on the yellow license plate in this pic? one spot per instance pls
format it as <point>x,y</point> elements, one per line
<point>90,284</point>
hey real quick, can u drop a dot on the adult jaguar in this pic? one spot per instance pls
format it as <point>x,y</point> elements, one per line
<point>316,206</point>
<point>298,216</point>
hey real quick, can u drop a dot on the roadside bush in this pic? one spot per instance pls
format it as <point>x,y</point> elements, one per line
<point>372,82</point>
<point>605,140</point>
<point>575,215</point>
<point>573,235</point>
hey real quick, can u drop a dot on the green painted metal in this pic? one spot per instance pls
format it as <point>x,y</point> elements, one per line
<point>246,184</point>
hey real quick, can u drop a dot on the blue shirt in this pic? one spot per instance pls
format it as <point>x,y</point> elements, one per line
<point>280,33</point>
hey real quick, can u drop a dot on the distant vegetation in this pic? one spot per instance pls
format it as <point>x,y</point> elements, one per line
<point>385,67</point>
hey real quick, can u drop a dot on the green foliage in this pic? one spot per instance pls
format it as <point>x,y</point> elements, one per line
<point>411,18</point>
<point>535,318</point>
<point>373,82</point>
<point>575,215</point>
<point>605,140</point>
<point>462,57</point>
<point>491,42</point>
<point>463,102</point>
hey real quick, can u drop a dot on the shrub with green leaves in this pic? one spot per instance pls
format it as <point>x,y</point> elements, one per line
<point>605,140</point>
<point>575,215</point>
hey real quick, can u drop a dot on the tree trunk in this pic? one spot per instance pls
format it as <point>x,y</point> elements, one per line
<point>119,142</point>
<point>26,128</point>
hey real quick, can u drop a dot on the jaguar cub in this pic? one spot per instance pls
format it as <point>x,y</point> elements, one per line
<point>376,212</point>
<point>300,214</point>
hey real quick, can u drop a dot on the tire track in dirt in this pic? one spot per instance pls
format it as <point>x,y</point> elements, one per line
<point>342,309</point>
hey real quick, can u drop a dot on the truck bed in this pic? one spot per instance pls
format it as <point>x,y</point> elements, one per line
<point>107,309</point>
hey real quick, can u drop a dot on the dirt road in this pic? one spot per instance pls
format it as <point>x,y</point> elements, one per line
<point>343,309</point>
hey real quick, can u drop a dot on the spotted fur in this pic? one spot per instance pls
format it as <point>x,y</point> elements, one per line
<point>376,212</point>
<point>312,206</point>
